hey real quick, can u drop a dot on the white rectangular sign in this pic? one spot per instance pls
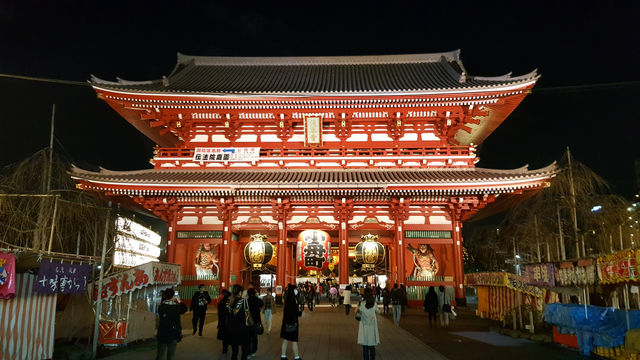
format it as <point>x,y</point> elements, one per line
<point>134,244</point>
<point>127,226</point>
<point>226,154</point>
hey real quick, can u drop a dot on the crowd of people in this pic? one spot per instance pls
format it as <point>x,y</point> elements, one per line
<point>240,319</point>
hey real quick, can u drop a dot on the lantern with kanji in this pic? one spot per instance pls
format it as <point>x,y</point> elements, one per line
<point>258,252</point>
<point>313,250</point>
<point>369,252</point>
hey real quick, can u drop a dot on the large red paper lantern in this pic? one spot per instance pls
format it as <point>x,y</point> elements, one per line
<point>313,250</point>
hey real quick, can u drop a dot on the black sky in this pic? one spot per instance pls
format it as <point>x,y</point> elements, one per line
<point>573,44</point>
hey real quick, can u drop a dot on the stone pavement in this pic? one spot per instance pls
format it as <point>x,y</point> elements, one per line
<point>328,334</point>
<point>325,334</point>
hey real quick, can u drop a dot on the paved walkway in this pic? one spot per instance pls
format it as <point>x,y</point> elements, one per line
<point>325,334</point>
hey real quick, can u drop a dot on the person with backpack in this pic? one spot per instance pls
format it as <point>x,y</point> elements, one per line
<point>169,325</point>
<point>431,305</point>
<point>396,304</point>
<point>199,303</point>
<point>290,329</point>
<point>238,329</point>
<point>269,309</point>
<point>386,300</point>
<point>444,305</point>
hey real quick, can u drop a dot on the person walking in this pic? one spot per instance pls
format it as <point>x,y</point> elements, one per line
<point>404,301</point>
<point>333,294</point>
<point>199,303</point>
<point>222,322</point>
<point>290,329</point>
<point>169,325</point>
<point>368,335</point>
<point>237,329</point>
<point>378,292</point>
<point>301,297</point>
<point>255,306</point>
<point>269,309</point>
<point>431,305</point>
<point>396,304</point>
<point>310,296</point>
<point>347,299</point>
<point>386,300</point>
<point>444,306</point>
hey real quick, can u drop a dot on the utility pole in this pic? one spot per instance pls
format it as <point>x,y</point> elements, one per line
<point>50,165</point>
<point>574,216</point>
<point>563,254</point>
<point>96,325</point>
<point>535,222</point>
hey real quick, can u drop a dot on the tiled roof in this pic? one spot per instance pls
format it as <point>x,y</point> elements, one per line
<point>312,178</point>
<point>317,75</point>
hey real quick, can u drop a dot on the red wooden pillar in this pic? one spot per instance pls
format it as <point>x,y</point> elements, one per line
<point>400,212</point>
<point>343,212</point>
<point>292,269</point>
<point>393,251</point>
<point>171,241</point>
<point>226,210</point>
<point>227,237</point>
<point>402,277</point>
<point>456,227</point>
<point>343,247</point>
<point>280,209</point>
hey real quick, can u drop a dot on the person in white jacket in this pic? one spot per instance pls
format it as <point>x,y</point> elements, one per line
<point>444,299</point>
<point>368,335</point>
<point>347,299</point>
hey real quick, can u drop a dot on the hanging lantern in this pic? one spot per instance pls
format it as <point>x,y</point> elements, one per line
<point>258,252</point>
<point>313,250</point>
<point>369,252</point>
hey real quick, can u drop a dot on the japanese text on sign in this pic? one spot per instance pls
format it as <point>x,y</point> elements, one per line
<point>58,278</point>
<point>226,154</point>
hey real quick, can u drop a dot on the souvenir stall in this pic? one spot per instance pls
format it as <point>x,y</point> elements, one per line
<point>571,282</point>
<point>130,299</point>
<point>606,330</point>
<point>24,335</point>
<point>508,298</point>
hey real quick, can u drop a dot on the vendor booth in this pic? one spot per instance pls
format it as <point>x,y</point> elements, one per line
<point>130,299</point>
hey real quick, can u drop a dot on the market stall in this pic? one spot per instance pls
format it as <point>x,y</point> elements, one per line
<point>130,299</point>
<point>26,317</point>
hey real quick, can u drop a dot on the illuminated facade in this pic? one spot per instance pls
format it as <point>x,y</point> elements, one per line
<point>346,145</point>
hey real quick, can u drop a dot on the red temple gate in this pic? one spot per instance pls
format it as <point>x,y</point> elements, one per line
<point>347,145</point>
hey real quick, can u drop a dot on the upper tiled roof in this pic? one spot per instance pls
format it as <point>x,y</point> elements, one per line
<point>313,178</point>
<point>324,75</point>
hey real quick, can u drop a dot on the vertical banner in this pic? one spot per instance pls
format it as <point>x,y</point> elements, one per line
<point>58,278</point>
<point>313,130</point>
<point>7,276</point>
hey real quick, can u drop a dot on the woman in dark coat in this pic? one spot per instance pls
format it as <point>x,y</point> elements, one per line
<point>237,330</point>
<point>222,321</point>
<point>431,304</point>
<point>169,327</point>
<point>289,329</point>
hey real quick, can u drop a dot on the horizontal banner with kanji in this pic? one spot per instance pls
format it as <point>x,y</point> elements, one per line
<point>540,275</point>
<point>151,273</point>
<point>55,277</point>
<point>510,281</point>
<point>619,267</point>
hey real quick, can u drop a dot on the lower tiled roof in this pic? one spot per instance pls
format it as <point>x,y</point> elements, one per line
<point>313,177</point>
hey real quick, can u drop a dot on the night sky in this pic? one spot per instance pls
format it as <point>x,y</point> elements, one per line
<point>588,56</point>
